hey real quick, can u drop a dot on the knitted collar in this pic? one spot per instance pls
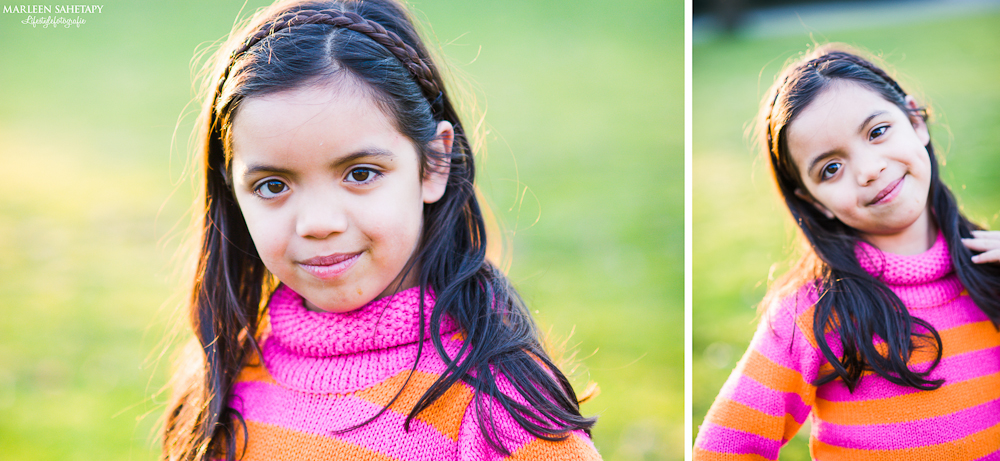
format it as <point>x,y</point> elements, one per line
<point>927,279</point>
<point>894,269</point>
<point>381,324</point>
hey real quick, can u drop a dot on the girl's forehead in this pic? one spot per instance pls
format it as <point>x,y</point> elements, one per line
<point>841,92</point>
<point>317,115</point>
<point>841,105</point>
<point>300,105</point>
<point>312,127</point>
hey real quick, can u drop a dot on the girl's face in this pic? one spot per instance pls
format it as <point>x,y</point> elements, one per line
<point>331,192</point>
<point>863,161</point>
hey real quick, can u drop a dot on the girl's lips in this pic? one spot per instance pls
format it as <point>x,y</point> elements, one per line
<point>890,192</point>
<point>328,267</point>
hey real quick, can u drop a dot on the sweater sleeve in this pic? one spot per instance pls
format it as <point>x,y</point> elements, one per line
<point>473,446</point>
<point>770,392</point>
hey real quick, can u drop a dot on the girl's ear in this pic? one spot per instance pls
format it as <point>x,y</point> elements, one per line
<point>819,206</point>
<point>917,119</point>
<point>436,172</point>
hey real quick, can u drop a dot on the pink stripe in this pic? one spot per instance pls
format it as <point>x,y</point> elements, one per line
<point>769,401</point>
<point>789,353</point>
<point>713,437</point>
<point>320,414</point>
<point>953,369</point>
<point>926,432</point>
<point>952,315</point>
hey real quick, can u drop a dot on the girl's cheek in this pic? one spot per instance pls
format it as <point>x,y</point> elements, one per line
<point>268,242</point>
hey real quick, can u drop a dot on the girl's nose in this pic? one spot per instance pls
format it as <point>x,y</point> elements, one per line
<point>870,169</point>
<point>318,218</point>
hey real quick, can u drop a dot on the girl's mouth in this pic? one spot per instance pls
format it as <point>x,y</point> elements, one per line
<point>890,192</point>
<point>328,267</point>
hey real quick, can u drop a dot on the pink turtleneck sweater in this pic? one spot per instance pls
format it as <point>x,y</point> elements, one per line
<point>324,372</point>
<point>770,393</point>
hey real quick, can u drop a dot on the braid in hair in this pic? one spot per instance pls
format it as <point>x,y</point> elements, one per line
<point>422,71</point>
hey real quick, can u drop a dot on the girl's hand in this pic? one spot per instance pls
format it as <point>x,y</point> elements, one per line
<point>988,242</point>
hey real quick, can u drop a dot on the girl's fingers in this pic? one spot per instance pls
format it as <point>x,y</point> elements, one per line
<point>987,257</point>
<point>988,243</point>
<point>988,235</point>
<point>981,244</point>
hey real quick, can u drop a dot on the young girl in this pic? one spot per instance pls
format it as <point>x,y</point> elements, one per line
<point>343,305</point>
<point>885,332</point>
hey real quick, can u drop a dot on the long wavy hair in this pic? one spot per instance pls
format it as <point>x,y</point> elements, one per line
<point>291,45</point>
<point>857,305</point>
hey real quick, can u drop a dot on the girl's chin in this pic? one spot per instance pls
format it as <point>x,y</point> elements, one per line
<point>336,306</point>
<point>356,294</point>
<point>907,237</point>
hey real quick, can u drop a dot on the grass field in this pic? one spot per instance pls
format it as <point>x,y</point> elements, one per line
<point>740,227</point>
<point>585,167</point>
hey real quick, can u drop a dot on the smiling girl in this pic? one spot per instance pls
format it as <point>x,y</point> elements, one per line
<point>885,332</point>
<point>343,306</point>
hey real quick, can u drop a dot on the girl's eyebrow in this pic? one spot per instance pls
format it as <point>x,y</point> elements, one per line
<point>261,168</point>
<point>861,128</point>
<point>819,158</point>
<point>373,152</point>
<point>350,158</point>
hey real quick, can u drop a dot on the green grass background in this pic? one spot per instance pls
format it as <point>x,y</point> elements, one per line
<point>740,227</point>
<point>585,115</point>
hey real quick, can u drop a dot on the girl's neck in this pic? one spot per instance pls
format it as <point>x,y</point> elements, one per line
<point>915,239</point>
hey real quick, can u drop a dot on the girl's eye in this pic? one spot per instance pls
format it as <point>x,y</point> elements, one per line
<point>270,188</point>
<point>362,175</point>
<point>878,131</point>
<point>829,170</point>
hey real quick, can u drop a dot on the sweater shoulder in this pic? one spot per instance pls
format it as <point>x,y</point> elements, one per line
<point>789,319</point>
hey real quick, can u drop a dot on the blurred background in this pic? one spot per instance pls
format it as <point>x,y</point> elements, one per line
<point>947,54</point>
<point>584,112</point>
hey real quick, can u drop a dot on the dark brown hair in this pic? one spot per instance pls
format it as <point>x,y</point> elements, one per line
<point>297,44</point>
<point>857,305</point>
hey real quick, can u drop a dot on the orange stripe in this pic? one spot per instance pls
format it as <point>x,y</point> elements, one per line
<point>914,406</point>
<point>255,371</point>
<point>572,449</point>
<point>970,447</point>
<point>775,376</point>
<point>805,323</point>
<point>959,340</point>
<point>962,339</point>
<point>701,454</point>
<point>445,414</point>
<point>735,415</point>
<point>270,442</point>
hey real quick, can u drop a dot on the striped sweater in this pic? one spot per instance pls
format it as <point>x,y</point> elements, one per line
<point>770,393</point>
<point>320,373</point>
